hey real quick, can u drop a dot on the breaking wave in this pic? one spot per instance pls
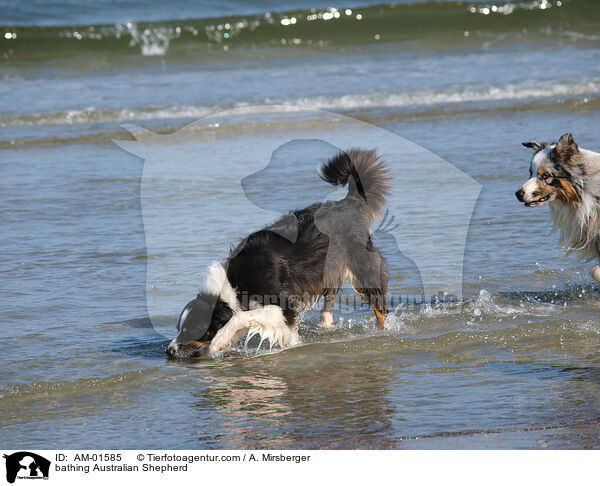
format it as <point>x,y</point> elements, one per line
<point>308,28</point>
<point>423,98</point>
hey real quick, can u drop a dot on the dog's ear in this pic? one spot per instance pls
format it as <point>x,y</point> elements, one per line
<point>533,144</point>
<point>566,147</point>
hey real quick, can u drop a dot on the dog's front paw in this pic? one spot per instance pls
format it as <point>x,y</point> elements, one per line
<point>224,338</point>
<point>218,344</point>
<point>596,273</point>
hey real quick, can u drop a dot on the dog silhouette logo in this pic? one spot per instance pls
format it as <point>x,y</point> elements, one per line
<point>26,465</point>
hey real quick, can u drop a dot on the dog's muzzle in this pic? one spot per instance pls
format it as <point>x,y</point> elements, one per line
<point>520,193</point>
<point>193,349</point>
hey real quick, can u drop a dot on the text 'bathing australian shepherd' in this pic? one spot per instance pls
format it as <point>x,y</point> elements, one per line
<point>568,178</point>
<point>276,274</point>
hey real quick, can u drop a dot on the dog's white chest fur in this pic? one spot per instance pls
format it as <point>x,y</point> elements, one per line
<point>579,227</point>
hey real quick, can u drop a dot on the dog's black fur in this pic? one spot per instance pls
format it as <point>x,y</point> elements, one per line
<point>303,256</point>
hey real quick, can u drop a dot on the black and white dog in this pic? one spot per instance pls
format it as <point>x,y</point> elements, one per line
<point>276,274</point>
<point>568,178</point>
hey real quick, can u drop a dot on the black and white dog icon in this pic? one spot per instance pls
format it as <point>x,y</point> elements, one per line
<point>26,464</point>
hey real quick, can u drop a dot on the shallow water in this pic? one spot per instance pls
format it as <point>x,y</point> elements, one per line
<point>99,252</point>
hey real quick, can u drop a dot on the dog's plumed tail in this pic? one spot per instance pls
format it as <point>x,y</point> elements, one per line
<point>366,177</point>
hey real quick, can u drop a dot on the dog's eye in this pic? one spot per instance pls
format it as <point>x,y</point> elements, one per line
<point>546,176</point>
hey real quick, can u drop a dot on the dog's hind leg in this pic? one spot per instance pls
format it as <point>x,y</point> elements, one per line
<point>375,297</point>
<point>327,312</point>
<point>368,276</point>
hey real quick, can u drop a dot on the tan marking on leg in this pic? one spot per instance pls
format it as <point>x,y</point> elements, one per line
<point>380,318</point>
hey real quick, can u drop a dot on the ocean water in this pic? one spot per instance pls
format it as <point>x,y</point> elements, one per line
<point>105,238</point>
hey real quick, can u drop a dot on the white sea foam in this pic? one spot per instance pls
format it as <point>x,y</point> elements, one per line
<point>415,99</point>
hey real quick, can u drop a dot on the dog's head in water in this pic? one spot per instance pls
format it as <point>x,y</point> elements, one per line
<point>556,174</point>
<point>198,323</point>
<point>202,317</point>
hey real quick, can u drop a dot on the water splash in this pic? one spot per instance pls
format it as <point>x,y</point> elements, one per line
<point>153,41</point>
